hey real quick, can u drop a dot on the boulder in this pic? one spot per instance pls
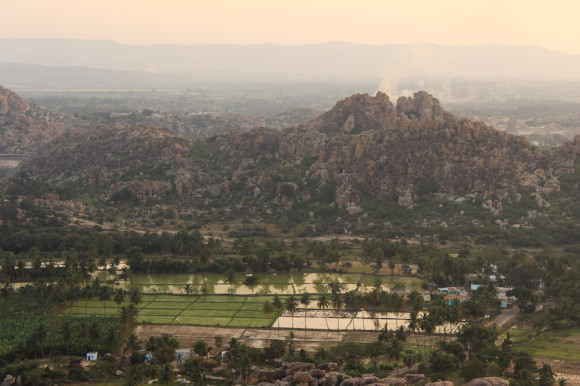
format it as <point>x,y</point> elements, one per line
<point>302,377</point>
<point>351,382</point>
<point>394,381</point>
<point>9,380</point>
<point>331,380</point>
<point>317,373</point>
<point>270,375</point>
<point>487,381</point>
<point>440,383</point>
<point>367,380</point>
<point>293,368</point>
<point>406,199</point>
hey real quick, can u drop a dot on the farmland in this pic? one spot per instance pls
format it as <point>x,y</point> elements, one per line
<point>211,310</point>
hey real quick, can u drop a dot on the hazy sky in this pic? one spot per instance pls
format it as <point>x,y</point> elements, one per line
<point>551,24</point>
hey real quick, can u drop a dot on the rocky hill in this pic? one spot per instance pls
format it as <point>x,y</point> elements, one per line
<point>24,127</point>
<point>146,161</point>
<point>365,145</point>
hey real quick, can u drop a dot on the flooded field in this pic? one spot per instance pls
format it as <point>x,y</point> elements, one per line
<point>267,284</point>
<point>316,319</point>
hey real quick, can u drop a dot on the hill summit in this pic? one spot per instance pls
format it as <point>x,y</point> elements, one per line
<point>395,152</point>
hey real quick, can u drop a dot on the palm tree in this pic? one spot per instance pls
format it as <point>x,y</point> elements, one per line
<point>426,324</point>
<point>291,306</point>
<point>414,325</point>
<point>104,295</point>
<point>267,308</point>
<point>351,301</point>
<point>188,288</point>
<point>252,282</point>
<point>119,296</point>
<point>323,305</point>
<point>277,306</point>
<point>337,303</point>
<point>125,275</point>
<point>135,296</point>
<point>233,352</point>
<point>394,352</point>
<point>397,303</point>
<point>305,301</point>
<point>410,359</point>
<point>230,277</point>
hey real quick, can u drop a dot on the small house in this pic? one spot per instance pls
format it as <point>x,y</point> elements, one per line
<point>182,354</point>
<point>455,299</point>
<point>92,356</point>
<point>401,292</point>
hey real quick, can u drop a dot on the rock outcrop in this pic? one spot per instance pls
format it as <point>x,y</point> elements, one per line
<point>488,381</point>
<point>24,127</point>
<point>366,144</point>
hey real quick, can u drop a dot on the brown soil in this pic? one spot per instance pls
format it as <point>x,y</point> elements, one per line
<point>563,369</point>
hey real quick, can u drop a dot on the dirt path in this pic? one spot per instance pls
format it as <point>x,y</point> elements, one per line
<point>254,337</point>
<point>505,316</point>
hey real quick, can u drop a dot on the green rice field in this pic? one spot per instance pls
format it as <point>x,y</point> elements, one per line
<point>211,310</point>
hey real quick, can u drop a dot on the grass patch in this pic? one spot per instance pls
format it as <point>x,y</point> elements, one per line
<point>562,345</point>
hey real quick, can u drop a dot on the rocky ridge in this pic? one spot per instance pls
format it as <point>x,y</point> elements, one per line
<point>144,160</point>
<point>326,374</point>
<point>24,127</point>
<point>364,145</point>
<point>367,144</point>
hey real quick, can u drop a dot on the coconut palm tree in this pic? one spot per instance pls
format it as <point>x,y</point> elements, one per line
<point>119,296</point>
<point>230,277</point>
<point>188,288</point>
<point>337,304</point>
<point>427,326</point>
<point>414,325</point>
<point>104,295</point>
<point>305,301</point>
<point>267,308</point>
<point>323,305</point>
<point>135,296</point>
<point>291,306</point>
<point>277,306</point>
<point>394,352</point>
<point>252,282</point>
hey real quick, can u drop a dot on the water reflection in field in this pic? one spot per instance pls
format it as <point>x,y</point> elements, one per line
<point>343,320</point>
<point>267,284</point>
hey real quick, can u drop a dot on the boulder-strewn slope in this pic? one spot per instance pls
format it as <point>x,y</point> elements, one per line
<point>24,127</point>
<point>145,160</point>
<point>368,144</point>
<point>365,144</point>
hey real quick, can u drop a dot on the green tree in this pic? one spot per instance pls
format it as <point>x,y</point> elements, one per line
<point>473,368</point>
<point>546,375</point>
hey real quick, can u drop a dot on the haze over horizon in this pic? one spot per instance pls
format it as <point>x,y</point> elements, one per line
<point>546,24</point>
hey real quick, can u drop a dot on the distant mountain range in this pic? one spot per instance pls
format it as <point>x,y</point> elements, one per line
<point>169,64</point>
